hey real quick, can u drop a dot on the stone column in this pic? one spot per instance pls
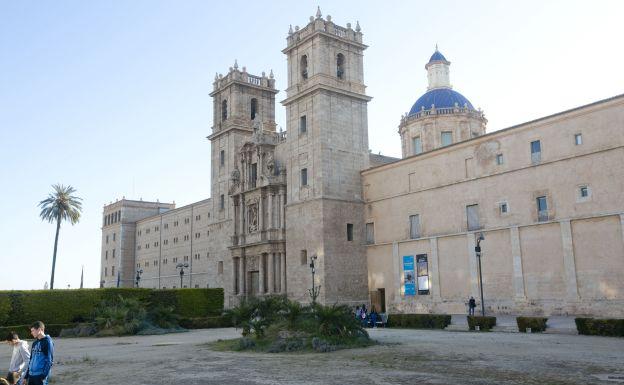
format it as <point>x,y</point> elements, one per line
<point>283,271</point>
<point>261,213</point>
<point>242,215</point>
<point>235,270</point>
<point>568,261</point>
<point>270,198</point>
<point>622,225</point>
<point>261,269</point>
<point>282,210</point>
<point>474,266</point>
<point>271,272</point>
<point>398,279</point>
<point>241,276</point>
<point>516,254</point>
<point>434,272</point>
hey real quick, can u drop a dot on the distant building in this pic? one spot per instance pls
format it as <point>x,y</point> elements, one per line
<point>399,234</point>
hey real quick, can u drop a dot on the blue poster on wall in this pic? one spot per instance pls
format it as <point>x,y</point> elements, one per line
<point>409,279</point>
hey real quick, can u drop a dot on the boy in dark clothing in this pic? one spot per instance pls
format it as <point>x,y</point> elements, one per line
<point>471,306</point>
<point>41,356</point>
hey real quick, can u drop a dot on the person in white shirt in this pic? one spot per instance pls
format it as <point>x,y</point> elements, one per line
<point>21,353</point>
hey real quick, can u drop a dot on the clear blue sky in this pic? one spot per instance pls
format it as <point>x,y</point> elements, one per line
<point>112,96</point>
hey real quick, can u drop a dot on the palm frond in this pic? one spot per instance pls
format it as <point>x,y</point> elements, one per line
<point>61,205</point>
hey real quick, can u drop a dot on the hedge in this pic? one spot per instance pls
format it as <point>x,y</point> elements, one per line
<point>72,306</point>
<point>53,330</point>
<point>485,323</point>
<point>206,322</point>
<point>537,324</point>
<point>419,321</point>
<point>600,327</point>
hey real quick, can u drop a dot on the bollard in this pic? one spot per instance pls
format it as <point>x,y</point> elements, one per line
<point>528,330</point>
<point>477,328</point>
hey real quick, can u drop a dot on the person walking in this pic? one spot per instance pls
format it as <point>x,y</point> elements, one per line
<point>20,355</point>
<point>41,356</point>
<point>471,305</point>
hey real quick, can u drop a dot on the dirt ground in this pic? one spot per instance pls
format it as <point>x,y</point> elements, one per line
<point>403,357</point>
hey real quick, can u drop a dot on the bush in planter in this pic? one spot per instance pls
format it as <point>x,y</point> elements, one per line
<point>419,321</point>
<point>484,323</point>
<point>600,327</point>
<point>536,324</point>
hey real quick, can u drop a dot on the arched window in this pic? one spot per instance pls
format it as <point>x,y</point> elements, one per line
<point>254,108</point>
<point>304,67</point>
<point>340,66</point>
<point>224,111</point>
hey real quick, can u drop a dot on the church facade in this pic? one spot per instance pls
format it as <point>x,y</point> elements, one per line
<point>543,200</point>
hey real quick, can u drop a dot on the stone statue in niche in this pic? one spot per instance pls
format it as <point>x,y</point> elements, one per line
<point>252,215</point>
<point>270,164</point>
<point>234,179</point>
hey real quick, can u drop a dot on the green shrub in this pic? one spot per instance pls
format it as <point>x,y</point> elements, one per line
<point>537,324</point>
<point>205,322</point>
<point>164,316</point>
<point>53,330</point>
<point>68,306</point>
<point>419,321</point>
<point>485,323</point>
<point>119,317</point>
<point>600,327</point>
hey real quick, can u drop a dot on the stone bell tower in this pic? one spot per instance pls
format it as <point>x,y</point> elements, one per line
<point>239,100</point>
<point>327,147</point>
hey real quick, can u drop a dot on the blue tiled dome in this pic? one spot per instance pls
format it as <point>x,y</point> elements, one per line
<point>441,98</point>
<point>437,56</point>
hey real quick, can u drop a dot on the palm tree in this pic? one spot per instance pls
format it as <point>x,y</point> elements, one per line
<point>59,206</point>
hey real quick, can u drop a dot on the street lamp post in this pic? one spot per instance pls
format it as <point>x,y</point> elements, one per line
<point>181,267</point>
<point>314,291</point>
<point>478,253</point>
<point>138,277</point>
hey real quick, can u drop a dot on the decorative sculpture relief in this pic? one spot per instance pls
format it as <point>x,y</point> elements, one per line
<point>252,215</point>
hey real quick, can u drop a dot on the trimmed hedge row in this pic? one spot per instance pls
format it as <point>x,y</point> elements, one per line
<point>72,306</point>
<point>484,323</point>
<point>53,330</point>
<point>206,322</point>
<point>600,327</point>
<point>419,321</point>
<point>537,324</point>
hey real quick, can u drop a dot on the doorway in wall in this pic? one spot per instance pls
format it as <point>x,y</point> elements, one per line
<point>254,283</point>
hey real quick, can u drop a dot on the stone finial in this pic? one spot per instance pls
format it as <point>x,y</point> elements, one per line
<point>271,74</point>
<point>296,28</point>
<point>318,12</point>
<point>235,64</point>
<point>244,69</point>
<point>311,19</point>
<point>436,47</point>
<point>329,18</point>
<point>263,74</point>
<point>348,25</point>
<point>290,30</point>
<point>357,26</point>
<point>216,76</point>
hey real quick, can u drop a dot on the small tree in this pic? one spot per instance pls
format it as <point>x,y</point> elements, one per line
<point>60,206</point>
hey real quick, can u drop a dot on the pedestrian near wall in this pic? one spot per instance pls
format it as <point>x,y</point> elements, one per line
<point>20,355</point>
<point>471,305</point>
<point>41,356</point>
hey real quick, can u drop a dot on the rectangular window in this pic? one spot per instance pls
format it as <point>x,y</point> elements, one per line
<point>107,239</point>
<point>304,176</point>
<point>253,175</point>
<point>106,271</point>
<point>222,158</point>
<point>584,191</point>
<point>106,254</point>
<point>503,207</point>
<point>370,233</point>
<point>304,257</point>
<point>303,125</point>
<point>578,139</point>
<point>113,253</point>
<point>542,209</point>
<point>349,231</point>
<point>113,271</point>
<point>197,217</point>
<point>536,151</point>
<point>166,225</point>
<point>422,272</point>
<point>220,267</point>
<point>114,236</point>
<point>499,159</point>
<point>416,145</point>
<point>472,215</point>
<point>414,226</point>
<point>447,138</point>
<point>221,202</point>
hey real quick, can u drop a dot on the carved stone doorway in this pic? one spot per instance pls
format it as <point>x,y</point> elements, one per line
<point>254,283</point>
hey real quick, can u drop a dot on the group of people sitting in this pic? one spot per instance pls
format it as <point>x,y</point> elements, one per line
<point>30,365</point>
<point>368,319</point>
